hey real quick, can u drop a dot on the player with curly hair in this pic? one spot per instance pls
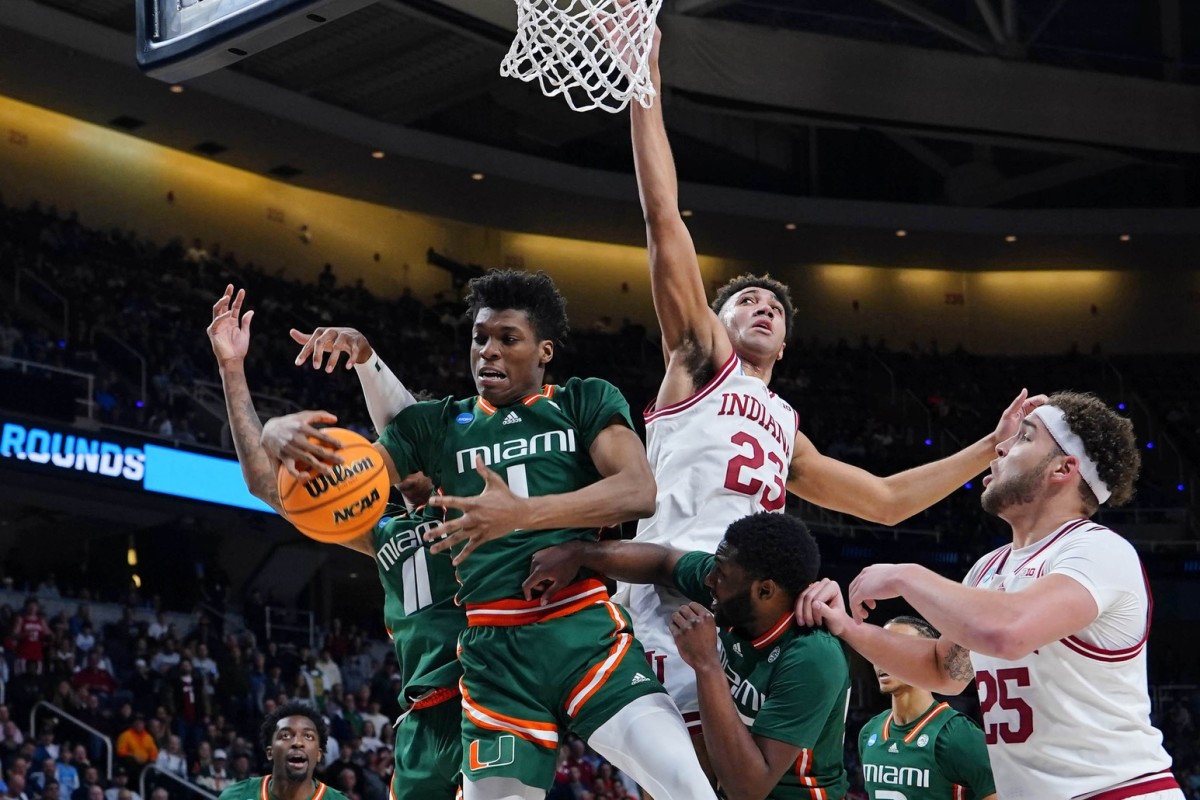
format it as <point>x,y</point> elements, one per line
<point>723,445</point>
<point>1052,627</point>
<point>525,465</point>
<point>773,697</point>
<point>293,738</point>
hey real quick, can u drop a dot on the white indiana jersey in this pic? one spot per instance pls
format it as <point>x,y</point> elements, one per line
<point>720,455</point>
<point>1072,719</point>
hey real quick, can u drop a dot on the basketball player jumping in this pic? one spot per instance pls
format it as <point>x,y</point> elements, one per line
<point>1053,627</point>
<point>529,466</point>
<point>721,444</point>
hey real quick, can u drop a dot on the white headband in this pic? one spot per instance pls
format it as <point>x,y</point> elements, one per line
<point>1056,423</point>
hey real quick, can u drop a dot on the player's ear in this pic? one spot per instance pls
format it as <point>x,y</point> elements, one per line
<point>766,589</point>
<point>782,347</point>
<point>546,352</point>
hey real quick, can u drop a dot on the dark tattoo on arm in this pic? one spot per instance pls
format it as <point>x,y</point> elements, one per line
<point>958,663</point>
<point>246,429</point>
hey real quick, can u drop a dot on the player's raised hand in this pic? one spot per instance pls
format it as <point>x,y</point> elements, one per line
<point>229,331</point>
<point>1010,421</point>
<point>332,342</point>
<point>876,582</point>
<point>821,604</point>
<point>551,571</point>
<point>492,514</point>
<point>695,632</point>
<point>290,440</point>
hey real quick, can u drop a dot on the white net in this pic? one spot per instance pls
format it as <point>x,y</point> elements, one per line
<point>595,53</point>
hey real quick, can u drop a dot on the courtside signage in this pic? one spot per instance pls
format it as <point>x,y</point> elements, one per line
<point>142,465</point>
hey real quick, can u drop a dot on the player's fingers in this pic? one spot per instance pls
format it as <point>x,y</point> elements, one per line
<point>290,465</point>
<point>307,349</point>
<point>318,415</point>
<point>321,436</point>
<point>442,531</point>
<point>299,337</point>
<point>246,318</point>
<point>465,553</point>
<point>331,362</point>
<point>313,462</point>
<point>355,352</point>
<point>238,299</point>
<point>223,301</point>
<point>450,501</point>
<point>318,351</point>
<point>447,543</point>
<point>219,318</point>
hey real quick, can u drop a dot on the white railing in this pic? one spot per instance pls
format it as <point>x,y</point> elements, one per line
<point>277,621</point>
<point>108,745</point>
<point>188,785</point>
<point>89,400</point>
<point>124,345</point>
<point>29,275</point>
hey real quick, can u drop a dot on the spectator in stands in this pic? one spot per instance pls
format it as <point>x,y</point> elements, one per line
<point>331,674</point>
<point>173,760</point>
<point>31,633</point>
<point>187,699</point>
<point>136,745</point>
<point>65,771</point>
<point>142,686</point>
<point>168,658</point>
<point>160,627</point>
<point>85,640</point>
<point>215,777</point>
<point>204,664</point>
<point>94,677</point>
<point>37,781</point>
<point>160,793</point>
<point>15,786</point>
<point>91,781</point>
<point>120,786</point>
<point>46,748</point>
<point>239,770</point>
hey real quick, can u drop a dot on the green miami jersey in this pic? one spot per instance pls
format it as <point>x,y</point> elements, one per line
<point>418,606</point>
<point>539,445</point>
<point>940,755</point>
<point>260,789</point>
<point>791,684</point>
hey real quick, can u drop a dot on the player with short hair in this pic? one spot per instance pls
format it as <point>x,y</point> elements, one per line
<point>721,444</point>
<point>1053,626</point>
<point>293,738</point>
<point>528,465</point>
<point>419,612</point>
<point>921,748</point>
<point>773,696</point>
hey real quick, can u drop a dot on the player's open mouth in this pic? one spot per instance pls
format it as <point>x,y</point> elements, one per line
<point>297,760</point>
<point>987,479</point>
<point>490,377</point>
<point>766,326</point>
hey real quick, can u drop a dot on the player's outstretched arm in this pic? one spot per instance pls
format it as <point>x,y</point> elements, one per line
<point>625,491</point>
<point>692,334</point>
<point>1007,625</point>
<point>384,393</point>
<point>938,665</point>
<point>835,485</point>
<point>229,335</point>
<point>555,567</point>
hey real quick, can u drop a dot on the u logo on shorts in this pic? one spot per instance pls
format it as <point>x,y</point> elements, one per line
<point>506,753</point>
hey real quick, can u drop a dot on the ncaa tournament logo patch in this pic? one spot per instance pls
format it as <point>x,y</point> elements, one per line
<point>871,742</point>
<point>464,418</point>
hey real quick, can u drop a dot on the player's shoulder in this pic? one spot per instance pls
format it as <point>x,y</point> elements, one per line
<point>242,790</point>
<point>330,793</point>
<point>875,723</point>
<point>582,387</point>
<point>817,647</point>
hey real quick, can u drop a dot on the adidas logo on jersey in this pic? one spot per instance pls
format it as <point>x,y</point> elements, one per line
<point>638,678</point>
<point>893,748</point>
<point>511,418</point>
<point>737,648</point>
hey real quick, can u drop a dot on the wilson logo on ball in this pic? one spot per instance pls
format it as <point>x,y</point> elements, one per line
<point>323,483</point>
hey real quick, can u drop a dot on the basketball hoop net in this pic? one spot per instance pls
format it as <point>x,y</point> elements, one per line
<point>595,53</point>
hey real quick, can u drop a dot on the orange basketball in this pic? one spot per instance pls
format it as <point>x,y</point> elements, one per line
<point>341,506</point>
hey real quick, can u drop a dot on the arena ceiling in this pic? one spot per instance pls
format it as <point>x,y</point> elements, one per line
<point>966,115</point>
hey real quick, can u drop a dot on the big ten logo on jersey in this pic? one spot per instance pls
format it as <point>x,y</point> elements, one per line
<point>401,543</point>
<point>548,442</point>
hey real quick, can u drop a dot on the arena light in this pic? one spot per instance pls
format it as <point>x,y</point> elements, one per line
<point>1124,237</point>
<point>176,89</point>
<point>901,233</point>
<point>377,154</point>
<point>1010,238</point>
<point>477,176</point>
<point>131,556</point>
<point>687,212</point>
<point>791,226</point>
